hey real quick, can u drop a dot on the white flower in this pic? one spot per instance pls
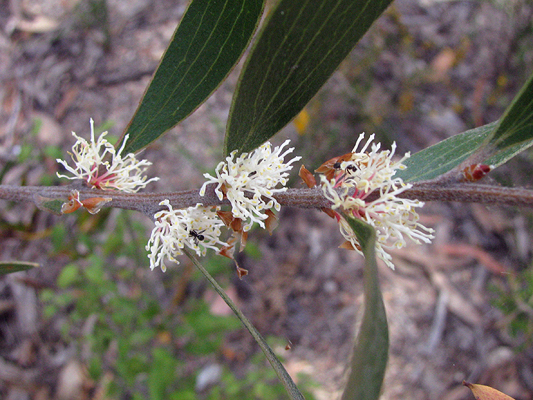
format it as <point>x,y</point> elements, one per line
<point>102,167</point>
<point>394,218</point>
<point>250,179</point>
<point>196,227</point>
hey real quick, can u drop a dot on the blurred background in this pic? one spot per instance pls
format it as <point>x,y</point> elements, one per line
<point>93,322</point>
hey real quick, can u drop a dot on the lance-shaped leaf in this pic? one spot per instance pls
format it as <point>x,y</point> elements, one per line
<point>442,157</point>
<point>206,45</point>
<point>298,49</point>
<point>370,353</point>
<point>8,267</point>
<point>282,373</point>
<point>516,125</point>
<point>491,144</point>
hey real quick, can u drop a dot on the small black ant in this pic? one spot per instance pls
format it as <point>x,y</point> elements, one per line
<point>350,168</point>
<point>198,237</point>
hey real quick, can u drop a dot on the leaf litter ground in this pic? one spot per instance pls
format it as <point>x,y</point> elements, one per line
<point>415,78</point>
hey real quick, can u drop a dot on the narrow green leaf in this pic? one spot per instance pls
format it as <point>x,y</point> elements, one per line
<point>206,45</point>
<point>298,49</point>
<point>516,125</point>
<point>370,353</point>
<point>442,157</point>
<point>496,142</point>
<point>8,267</point>
<point>282,373</point>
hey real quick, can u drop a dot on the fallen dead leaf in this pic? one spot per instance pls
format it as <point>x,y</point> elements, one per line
<point>482,392</point>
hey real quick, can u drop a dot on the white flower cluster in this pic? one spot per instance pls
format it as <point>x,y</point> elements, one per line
<point>250,179</point>
<point>365,173</point>
<point>197,228</point>
<point>249,183</point>
<point>246,182</point>
<point>102,167</point>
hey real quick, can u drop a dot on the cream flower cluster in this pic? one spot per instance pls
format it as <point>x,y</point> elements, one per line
<point>250,179</point>
<point>369,171</point>
<point>249,182</point>
<point>246,182</point>
<point>197,228</point>
<point>102,167</point>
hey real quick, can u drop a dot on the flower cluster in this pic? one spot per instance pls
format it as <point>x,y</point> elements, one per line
<point>250,182</point>
<point>352,181</point>
<point>197,228</point>
<point>103,167</point>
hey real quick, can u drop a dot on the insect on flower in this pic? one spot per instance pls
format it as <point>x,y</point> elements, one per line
<point>176,229</point>
<point>330,167</point>
<point>198,237</point>
<point>348,181</point>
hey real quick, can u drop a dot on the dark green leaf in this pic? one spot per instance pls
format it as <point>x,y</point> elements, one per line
<point>300,46</point>
<point>282,373</point>
<point>370,353</point>
<point>7,267</point>
<point>206,45</point>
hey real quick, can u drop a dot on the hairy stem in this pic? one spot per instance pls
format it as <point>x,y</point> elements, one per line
<point>148,203</point>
